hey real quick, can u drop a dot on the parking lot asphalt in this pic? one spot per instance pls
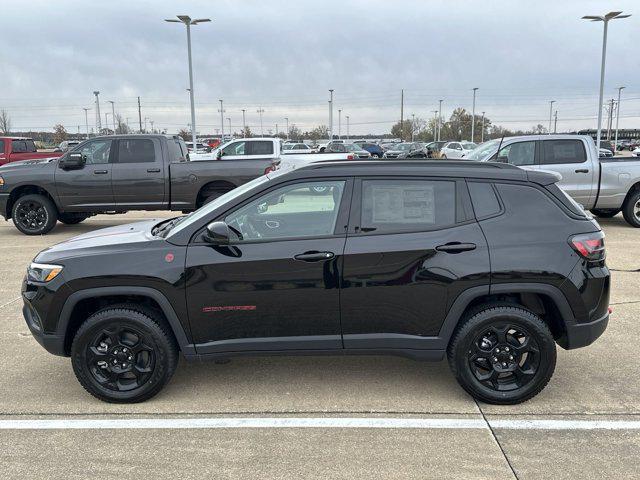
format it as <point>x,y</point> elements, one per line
<point>597,383</point>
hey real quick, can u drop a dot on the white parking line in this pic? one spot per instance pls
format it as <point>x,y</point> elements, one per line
<point>336,422</point>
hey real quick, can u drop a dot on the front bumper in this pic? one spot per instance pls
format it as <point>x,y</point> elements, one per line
<point>4,199</point>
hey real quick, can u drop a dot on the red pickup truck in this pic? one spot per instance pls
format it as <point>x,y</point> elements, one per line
<point>13,149</point>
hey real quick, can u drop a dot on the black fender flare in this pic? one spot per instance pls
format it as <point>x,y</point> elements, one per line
<point>174,322</point>
<point>465,298</point>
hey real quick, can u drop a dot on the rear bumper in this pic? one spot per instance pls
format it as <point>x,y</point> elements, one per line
<point>579,335</point>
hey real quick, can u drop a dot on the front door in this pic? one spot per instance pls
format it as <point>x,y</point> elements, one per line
<point>139,174</point>
<point>276,287</point>
<point>88,188</point>
<point>412,249</point>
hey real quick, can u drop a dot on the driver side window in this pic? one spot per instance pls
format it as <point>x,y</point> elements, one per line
<point>96,152</point>
<point>307,209</point>
<point>236,148</point>
<point>521,153</point>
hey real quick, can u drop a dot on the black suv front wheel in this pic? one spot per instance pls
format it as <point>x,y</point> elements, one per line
<point>123,354</point>
<point>502,355</point>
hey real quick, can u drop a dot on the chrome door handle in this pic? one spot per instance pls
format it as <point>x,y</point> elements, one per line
<point>100,172</point>
<point>456,247</point>
<point>314,256</point>
<point>153,170</point>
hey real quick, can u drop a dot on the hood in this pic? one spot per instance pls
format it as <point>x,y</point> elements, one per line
<point>28,163</point>
<point>121,237</point>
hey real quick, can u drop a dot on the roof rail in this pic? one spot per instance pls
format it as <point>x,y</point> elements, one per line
<point>425,163</point>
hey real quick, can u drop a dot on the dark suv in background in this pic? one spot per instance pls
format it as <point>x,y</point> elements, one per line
<point>415,258</point>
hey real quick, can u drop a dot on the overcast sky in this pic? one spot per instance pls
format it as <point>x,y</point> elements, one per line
<point>283,56</point>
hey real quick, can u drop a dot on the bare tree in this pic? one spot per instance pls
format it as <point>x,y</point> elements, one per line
<point>59,134</point>
<point>5,122</point>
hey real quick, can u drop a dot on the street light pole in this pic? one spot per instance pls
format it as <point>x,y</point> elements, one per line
<point>339,123</point>
<point>244,124</point>
<point>98,119</point>
<point>221,110</point>
<point>347,116</point>
<point>331,114</point>
<point>473,115</point>
<point>615,145</point>
<point>435,124</point>
<point>555,121</point>
<point>550,114</point>
<point>113,114</point>
<point>86,119</point>
<point>188,22</point>
<point>605,19</point>
<point>261,111</point>
<point>229,120</point>
<point>439,119</point>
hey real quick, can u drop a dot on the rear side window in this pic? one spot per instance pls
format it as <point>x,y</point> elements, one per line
<point>260,148</point>
<point>562,151</point>
<point>18,146</point>
<point>136,150</point>
<point>395,206</point>
<point>1,146</point>
<point>485,201</point>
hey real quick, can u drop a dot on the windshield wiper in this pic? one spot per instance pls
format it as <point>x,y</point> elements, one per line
<point>166,227</point>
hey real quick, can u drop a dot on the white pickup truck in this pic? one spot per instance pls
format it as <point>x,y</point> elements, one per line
<point>605,186</point>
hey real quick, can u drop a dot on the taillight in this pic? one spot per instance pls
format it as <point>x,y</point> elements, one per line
<point>269,169</point>
<point>589,246</point>
<point>350,157</point>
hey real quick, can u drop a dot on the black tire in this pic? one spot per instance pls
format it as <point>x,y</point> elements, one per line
<point>34,214</point>
<point>72,218</point>
<point>601,213</point>
<point>376,155</point>
<point>128,334</point>
<point>631,209</point>
<point>481,363</point>
<point>443,157</point>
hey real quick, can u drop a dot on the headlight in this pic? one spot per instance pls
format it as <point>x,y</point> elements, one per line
<point>41,272</point>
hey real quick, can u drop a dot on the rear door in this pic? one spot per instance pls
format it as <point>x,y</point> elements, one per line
<point>569,158</point>
<point>88,188</point>
<point>412,248</point>
<point>139,174</point>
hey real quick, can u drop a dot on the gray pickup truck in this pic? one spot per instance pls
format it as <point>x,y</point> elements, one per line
<point>605,186</point>
<point>115,174</point>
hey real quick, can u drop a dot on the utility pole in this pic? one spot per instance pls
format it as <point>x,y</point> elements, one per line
<point>555,122</point>
<point>113,114</point>
<point>413,126</point>
<point>473,115</point>
<point>261,111</point>
<point>229,120</point>
<point>347,127</point>
<point>435,125</point>
<point>339,123</point>
<point>331,114</point>
<point>139,115</point>
<point>440,119</point>
<point>610,121</point>
<point>615,145</point>
<point>482,133</point>
<point>550,114</point>
<point>86,119</point>
<point>604,19</point>
<point>286,119</point>
<point>98,119</point>
<point>401,114</point>
<point>106,121</point>
<point>244,124</point>
<point>221,110</point>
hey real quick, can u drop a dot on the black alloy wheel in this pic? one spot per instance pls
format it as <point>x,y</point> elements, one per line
<point>34,214</point>
<point>502,354</point>
<point>124,354</point>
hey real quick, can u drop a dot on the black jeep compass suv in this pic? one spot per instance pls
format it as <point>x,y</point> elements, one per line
<point>486,264</point>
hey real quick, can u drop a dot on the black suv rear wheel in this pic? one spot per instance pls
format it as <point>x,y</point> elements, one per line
<point>34,214</point>
<point>123,354</point>
<point>502,355</point>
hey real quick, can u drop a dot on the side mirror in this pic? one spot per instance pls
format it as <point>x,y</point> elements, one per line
<point>217,233</point>
<point>73,161</point>
<point>503,159</point>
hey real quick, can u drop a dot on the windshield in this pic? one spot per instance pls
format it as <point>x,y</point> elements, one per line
<point>352,147</point>
<point>403,147</point>
<point>469,146</point>
<point>485,150</point>
<point>221,200</point>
